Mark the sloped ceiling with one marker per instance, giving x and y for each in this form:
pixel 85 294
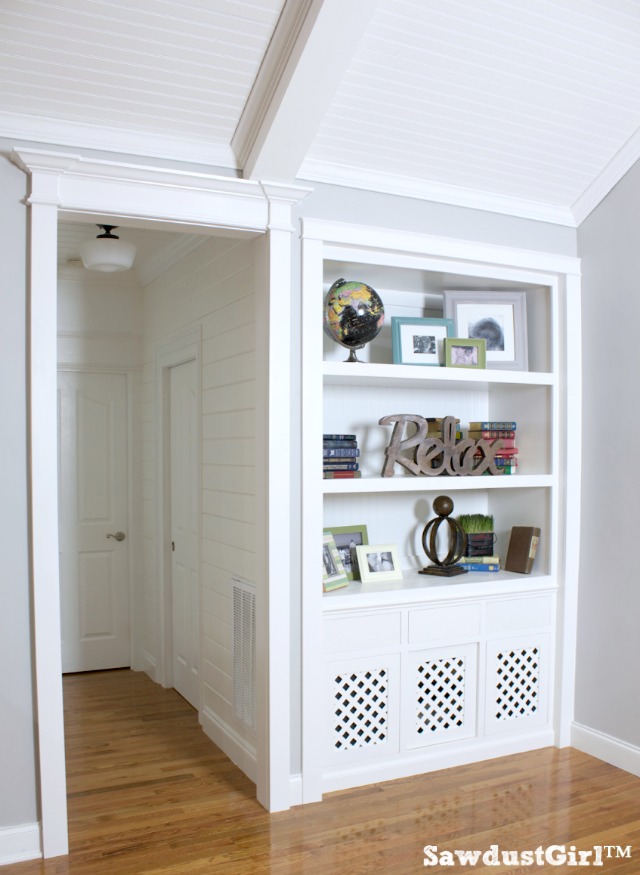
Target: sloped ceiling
pixel 525 108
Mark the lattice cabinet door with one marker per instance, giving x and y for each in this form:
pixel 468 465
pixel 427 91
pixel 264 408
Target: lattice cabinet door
pixel 517 690
pixel 363 705
pixel 439 701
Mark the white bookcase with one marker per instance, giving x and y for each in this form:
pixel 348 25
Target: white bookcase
pixel 424 673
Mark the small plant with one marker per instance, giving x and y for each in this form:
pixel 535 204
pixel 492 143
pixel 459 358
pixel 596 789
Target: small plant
pixel 474 523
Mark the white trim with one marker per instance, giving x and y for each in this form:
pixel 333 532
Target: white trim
pixel 43 461
pixel 439 757
pixel 82 135
pixel 421 189
pixel 295 790
pixel 230 743
pixel 19 843
pixel 607 748
pixel 605 181
pixel 183 347
pixel 375 240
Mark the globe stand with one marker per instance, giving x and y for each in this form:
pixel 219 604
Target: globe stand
pixel 352 355
pixel 446 567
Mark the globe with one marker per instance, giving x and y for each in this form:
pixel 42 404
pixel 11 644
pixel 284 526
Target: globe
pixel 353 314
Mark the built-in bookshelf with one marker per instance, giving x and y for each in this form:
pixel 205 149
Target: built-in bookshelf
pixel 410 273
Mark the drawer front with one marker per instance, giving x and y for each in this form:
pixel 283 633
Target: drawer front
pixel 361 632
pixel 445 623
pixel 533 612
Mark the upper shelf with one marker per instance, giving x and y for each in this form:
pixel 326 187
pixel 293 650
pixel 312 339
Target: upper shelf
pixel 360 485
pixel 404 376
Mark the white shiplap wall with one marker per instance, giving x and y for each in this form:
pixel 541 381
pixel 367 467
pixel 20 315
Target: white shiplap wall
pixel 212 289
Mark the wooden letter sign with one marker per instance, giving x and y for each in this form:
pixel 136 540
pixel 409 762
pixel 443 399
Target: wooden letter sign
pixel 432 455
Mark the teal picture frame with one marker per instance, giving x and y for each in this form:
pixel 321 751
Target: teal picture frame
pixel 420 340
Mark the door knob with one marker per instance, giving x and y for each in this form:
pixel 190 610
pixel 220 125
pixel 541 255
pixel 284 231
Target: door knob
pixel 119 536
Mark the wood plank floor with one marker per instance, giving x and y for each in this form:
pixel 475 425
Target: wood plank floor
pixel 149 793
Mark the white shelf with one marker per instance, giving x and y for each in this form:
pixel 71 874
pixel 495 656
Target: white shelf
pixel 369 485
pixel 415 587
pixel 405 376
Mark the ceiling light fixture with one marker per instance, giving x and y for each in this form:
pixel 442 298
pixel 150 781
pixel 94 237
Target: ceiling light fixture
pixel 107 252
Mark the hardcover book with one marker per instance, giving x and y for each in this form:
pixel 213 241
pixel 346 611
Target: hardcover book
pixel 523 545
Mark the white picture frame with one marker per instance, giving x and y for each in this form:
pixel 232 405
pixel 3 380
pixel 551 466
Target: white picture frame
pixel 378 562
pixel 498 317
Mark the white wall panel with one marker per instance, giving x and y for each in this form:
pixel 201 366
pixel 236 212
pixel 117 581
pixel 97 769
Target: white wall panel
pixel 212 289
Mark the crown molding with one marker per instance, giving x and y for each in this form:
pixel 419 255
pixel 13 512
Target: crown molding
pixel 81 135
pixel 596 192
pixel 404 186
pixel 79 185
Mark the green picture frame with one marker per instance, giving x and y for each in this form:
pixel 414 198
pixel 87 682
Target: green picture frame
pixel 333 573
pixel 343 537
pixel 465 352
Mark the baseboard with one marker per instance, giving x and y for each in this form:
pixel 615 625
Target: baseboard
pixel 434 759
pixel 607 748
pixel 20 843
pixel 295 794
pixel 233 745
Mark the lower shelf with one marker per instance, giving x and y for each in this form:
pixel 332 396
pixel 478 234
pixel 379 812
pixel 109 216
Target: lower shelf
pixel 415 587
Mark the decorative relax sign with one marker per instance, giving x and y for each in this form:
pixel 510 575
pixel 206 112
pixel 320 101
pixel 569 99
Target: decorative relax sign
pixel 433 455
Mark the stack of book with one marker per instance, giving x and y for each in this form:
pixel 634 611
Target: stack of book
pixel 340 456
pixel 479 563
pixel 506 458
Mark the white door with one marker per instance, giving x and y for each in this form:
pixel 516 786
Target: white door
pixel 185 613
pixel 94 554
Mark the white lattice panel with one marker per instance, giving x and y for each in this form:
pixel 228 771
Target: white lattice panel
pixel 442 695
pixel 361 708
pixel 363 698
pixel 516 683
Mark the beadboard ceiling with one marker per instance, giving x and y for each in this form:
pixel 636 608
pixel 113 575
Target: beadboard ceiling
pixel 526 108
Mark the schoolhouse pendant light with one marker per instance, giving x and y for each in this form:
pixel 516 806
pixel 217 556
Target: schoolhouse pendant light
pixel 107 252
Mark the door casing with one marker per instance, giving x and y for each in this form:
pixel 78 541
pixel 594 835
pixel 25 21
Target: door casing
pixel 71 186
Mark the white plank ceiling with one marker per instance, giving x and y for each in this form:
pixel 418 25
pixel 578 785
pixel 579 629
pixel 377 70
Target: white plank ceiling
pixel 528 108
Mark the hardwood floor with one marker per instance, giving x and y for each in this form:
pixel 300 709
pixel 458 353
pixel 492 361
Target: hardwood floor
pixel 149 793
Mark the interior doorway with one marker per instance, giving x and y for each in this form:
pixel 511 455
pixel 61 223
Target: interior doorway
pixel 81 188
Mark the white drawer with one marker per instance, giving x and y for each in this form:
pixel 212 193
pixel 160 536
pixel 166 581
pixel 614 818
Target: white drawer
pixel 531 612
pixel 361 632
pixel 444 623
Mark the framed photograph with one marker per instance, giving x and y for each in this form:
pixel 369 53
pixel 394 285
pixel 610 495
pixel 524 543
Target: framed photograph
pixel 333 573
pixel 465 352
pixel 498 317
pixel 419 341
pixel 379 562
pixel 347 538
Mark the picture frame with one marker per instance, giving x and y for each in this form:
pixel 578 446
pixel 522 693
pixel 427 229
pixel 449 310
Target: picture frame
pixel 419 341
pixel 347 538
pixel 465 352
pixel 499 317
pixel 378 562
pixel 333 573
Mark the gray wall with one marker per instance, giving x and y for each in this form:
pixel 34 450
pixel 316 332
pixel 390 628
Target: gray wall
pixel 17 756
pixel 608 661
